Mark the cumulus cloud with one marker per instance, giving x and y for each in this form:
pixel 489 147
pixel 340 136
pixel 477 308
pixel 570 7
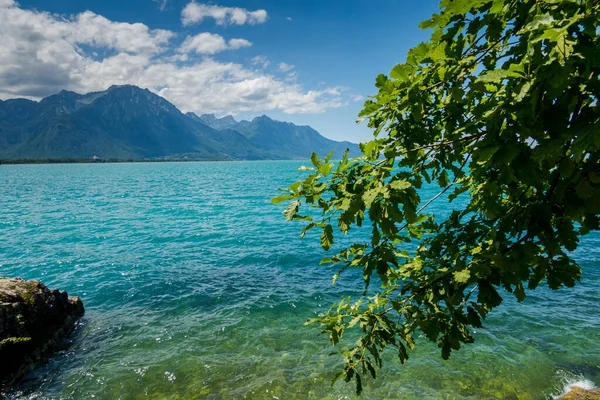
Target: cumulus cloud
pixel 210 43
pixel 93 29
pixel 230 88
pixel 195 13
pixel 43 53
pixel 283 67
pixel 235 44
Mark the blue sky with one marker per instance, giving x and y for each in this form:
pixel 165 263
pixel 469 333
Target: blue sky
pixel 308 62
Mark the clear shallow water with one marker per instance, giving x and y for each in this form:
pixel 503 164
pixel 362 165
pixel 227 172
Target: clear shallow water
pixel 195 287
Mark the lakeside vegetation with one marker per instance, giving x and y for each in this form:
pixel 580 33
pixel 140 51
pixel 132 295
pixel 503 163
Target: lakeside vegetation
pixel 501 105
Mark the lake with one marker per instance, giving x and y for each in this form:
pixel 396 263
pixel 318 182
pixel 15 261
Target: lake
pixel 196 287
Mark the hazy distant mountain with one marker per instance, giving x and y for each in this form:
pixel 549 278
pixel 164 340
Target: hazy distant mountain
pixel 226 122
pixel 126 122
pixel 282 139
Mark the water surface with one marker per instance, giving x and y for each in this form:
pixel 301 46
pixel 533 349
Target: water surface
pixel 195 287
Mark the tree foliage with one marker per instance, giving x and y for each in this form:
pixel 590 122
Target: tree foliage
pixel 500 104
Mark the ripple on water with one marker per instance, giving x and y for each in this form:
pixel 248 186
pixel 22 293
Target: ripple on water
pixel 195 286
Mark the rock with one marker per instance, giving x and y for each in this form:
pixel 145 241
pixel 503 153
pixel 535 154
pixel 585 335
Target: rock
pixel 34 321
pixel 578 393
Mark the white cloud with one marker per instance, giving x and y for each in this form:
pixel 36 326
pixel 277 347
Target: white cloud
pixel 357 97
pixel 93 29
pixel 195 13
pixel 210 43
pixel 283 67
pixel 292 76
pixel 235 44
pixel 162 4
pixel 289 18
pixel 260 60
pixel 43 53
pixel 230 88
pixel 203 43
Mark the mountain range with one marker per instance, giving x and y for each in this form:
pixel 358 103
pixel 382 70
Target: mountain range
pixel 127 122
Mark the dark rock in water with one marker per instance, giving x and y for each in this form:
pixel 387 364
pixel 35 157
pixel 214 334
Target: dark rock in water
pixel 578 393
pixel 34 321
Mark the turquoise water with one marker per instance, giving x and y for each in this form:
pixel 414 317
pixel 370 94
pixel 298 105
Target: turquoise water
pixel 195 287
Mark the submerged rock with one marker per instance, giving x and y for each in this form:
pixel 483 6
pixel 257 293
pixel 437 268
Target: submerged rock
pixel 34 321
pixel 578 393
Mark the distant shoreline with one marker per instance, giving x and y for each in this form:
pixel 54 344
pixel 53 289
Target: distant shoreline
pixel 115 160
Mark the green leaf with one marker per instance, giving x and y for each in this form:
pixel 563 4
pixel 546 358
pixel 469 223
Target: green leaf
pixel 326 169
pixel 584 190
pixel 369 196
pixel 462 276
pixel 410 212
pixel 400 185
pixel 473 318
pixel 539 21
pixel 314 158
pixel 354 321
pixel 519 292
pixel 484 154
pixel 280 199
pixel 375 236
pixel 443 179
pixel 343 225
pixel 497 6
pixel 401 72
pixel 369 108
pixel 498 75
pixel 381 80
pixel 371 369
pixel 307 228
pixel 430 23
pixel 478 85
pixel 295 186
pixel 327 237
pixel 358 384
pixel 328 156
pixel 552 34
pixel 524 90
pixel 370 149
pixel 291 210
